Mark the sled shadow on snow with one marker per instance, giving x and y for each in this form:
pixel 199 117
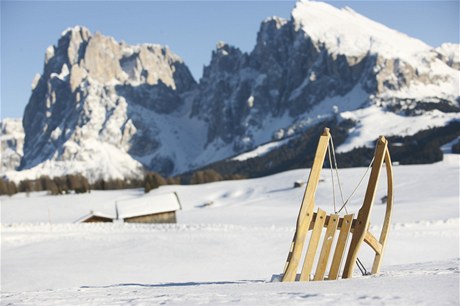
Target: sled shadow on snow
pixel 184 284
pixel 280 190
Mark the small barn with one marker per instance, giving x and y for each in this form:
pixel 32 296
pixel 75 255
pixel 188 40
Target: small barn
pixel 150 208
pixel 94 217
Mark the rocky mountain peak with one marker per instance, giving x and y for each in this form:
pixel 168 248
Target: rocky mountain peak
pixel 343 31
pixel 269 28
pixel 94 88
pixel 225 59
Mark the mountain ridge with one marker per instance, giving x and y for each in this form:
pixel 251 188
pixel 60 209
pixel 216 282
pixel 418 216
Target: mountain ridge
pixel 99 99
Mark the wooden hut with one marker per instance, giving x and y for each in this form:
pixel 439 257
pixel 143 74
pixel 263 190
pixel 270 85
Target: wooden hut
pixel 150 208
pixel 94 217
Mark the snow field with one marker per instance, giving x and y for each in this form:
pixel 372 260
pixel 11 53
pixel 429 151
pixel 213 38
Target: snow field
pixel 436 283
pixel 231 238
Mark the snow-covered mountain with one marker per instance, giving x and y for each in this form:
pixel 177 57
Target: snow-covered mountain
pixel 12 142
pixel 103 108
pixel 108 109
pixel 321 62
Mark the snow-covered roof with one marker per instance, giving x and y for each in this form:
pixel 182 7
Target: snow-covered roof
pixel 147 205
pixel 94 214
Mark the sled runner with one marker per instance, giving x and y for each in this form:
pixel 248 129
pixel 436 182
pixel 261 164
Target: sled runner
pixel 341 227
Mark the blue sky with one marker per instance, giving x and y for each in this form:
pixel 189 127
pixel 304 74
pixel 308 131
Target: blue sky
pixel 190 28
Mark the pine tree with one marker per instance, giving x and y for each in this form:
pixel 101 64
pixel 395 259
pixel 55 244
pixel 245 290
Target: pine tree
pixel 3 187
pixel 51 186
pixel 456 148
pixel 206 176
pixel 153 180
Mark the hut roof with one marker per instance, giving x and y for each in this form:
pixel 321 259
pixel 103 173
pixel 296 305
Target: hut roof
pixel 148 204
pixel 94 214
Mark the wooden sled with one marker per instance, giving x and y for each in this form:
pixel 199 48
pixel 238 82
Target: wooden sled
pixel 358 227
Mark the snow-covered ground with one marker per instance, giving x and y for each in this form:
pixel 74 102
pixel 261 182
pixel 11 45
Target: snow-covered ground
pixel 230 239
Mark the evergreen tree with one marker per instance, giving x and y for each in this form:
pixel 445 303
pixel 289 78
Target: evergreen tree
pixel 153 180
pixel 11 188
pixel 456 147
pixel 173 180
pixel 205 176
pixel 51 186
pixel 3 187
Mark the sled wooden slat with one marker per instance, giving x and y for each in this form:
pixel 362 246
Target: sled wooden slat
pixel 340 247
pixel 313 245
pixel 326 223
pixel 326 248
pixel 306 208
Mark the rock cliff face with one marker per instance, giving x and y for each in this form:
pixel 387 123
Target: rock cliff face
pixel 12 142
pixel 320 63
pixel 107 109
pixel 92 101
pixel 285 76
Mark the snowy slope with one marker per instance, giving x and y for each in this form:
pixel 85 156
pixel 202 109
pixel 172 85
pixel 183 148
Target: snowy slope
pixel 228 250
pixel 346 32
pixel 389 124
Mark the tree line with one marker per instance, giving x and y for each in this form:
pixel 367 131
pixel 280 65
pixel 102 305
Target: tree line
pixel 79 184
pixel 421 148
pixel 54 186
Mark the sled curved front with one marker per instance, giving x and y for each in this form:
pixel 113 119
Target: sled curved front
pixel 361 231
pixel 338 229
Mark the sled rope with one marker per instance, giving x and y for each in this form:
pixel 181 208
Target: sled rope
pixel 336 171
pixel 357 186
pixel 330 148
pixel 344 202
pixel 332 174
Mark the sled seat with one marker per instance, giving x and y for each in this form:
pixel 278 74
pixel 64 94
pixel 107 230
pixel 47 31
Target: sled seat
pixel 332 231
pixel 333 224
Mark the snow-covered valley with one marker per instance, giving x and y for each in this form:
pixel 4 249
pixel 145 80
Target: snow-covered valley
pixel 230 239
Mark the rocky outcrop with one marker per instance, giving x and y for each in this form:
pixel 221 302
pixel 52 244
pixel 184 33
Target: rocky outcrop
pixel 450 54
